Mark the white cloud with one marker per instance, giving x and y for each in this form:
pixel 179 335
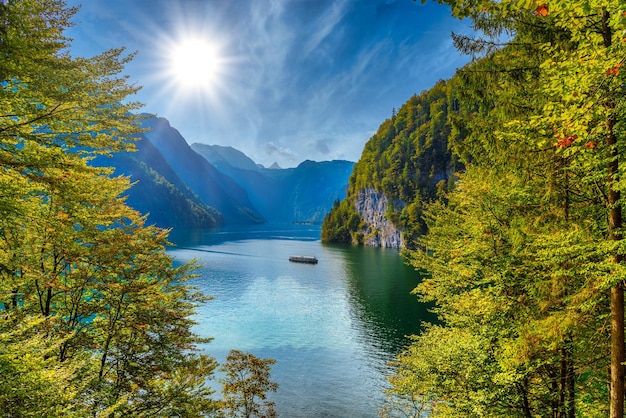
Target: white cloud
pixel 326 24
pixel 304 78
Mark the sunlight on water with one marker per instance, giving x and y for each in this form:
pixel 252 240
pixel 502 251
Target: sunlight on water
pixel 277 312
pixel 332 327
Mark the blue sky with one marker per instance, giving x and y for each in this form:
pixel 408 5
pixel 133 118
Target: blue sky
pixel 294 79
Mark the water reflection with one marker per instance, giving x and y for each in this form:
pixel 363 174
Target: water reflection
pixel 332 327
pixel 380 286
pixel 215 236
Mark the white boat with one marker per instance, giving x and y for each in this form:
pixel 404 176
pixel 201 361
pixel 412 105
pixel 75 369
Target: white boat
pixel 303 259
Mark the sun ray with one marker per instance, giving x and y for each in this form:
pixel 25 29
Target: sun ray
pixel 194 69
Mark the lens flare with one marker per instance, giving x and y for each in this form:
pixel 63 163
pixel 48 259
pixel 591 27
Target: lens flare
pixel 195 63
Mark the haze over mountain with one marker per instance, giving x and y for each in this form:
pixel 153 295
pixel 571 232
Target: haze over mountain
pixel 213 187
pixel 158 191
pixel 225 158
pixel 301 194
pixel 206 186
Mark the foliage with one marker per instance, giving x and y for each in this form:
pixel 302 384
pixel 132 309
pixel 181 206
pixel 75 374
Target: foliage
pixel 246 383
pixel 34 383
pixel 510 299
pixel 341 223
pixel 95 319
pixel 408 160
pixel 528 248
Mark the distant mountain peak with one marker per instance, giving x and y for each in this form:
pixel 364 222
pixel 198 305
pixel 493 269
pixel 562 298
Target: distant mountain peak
pixel 213 187
pixel 206 186
pixel 219 156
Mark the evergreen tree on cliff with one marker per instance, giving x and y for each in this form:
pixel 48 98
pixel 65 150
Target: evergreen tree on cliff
pixel 408 162
pixel 526 259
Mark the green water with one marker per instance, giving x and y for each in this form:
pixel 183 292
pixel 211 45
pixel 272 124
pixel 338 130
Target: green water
pixel 332 327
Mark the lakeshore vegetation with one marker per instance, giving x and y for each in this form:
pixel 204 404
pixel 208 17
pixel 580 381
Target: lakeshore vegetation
pixel 522 250
pixel 524 254
pixel 95 319
pixel 408 160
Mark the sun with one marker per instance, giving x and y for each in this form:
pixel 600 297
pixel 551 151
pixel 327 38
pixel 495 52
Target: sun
pixel 195 62
pixel 192 68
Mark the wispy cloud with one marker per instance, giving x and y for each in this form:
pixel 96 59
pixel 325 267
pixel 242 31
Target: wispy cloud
pixel 326 24
pixel 273 150
pixel 303 79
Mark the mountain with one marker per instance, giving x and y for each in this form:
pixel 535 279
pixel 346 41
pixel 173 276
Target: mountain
pixel 205 186
pixel 302 194
pixel 213 187
pixel 309 190
pixel 225 158
pixel 404 165
pixel 158 191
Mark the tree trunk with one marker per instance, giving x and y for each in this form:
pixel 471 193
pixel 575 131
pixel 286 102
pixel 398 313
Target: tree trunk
pixel 617 351
pixel 563 401
pixel 615 224
pixel 525 401
pixel 617 291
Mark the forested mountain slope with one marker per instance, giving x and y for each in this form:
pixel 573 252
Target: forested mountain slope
pixel 525 258
pixel 204 186
pixel 213 187
pixel 158 191
pixel 406 164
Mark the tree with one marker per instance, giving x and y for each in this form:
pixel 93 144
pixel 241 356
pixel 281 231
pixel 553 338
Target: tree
pixel 96 319
pixel 246 383
pixel 514 338
pixel 583 93
pixel 584 98
pixel 523 256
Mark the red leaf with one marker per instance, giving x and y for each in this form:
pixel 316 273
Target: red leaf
pixel 565 141
pixel 614 70
pixel 541 10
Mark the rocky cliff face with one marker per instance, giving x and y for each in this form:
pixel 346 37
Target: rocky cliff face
pixel 380 232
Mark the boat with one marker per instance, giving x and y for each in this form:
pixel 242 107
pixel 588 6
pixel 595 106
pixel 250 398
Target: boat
pixel 310 259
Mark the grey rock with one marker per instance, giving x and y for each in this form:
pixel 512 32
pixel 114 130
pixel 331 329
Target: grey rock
pixel 380 231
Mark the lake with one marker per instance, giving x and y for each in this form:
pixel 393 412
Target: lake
pixel 331 327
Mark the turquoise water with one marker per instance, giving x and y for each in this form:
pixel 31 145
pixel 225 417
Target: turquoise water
pixel 331 327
